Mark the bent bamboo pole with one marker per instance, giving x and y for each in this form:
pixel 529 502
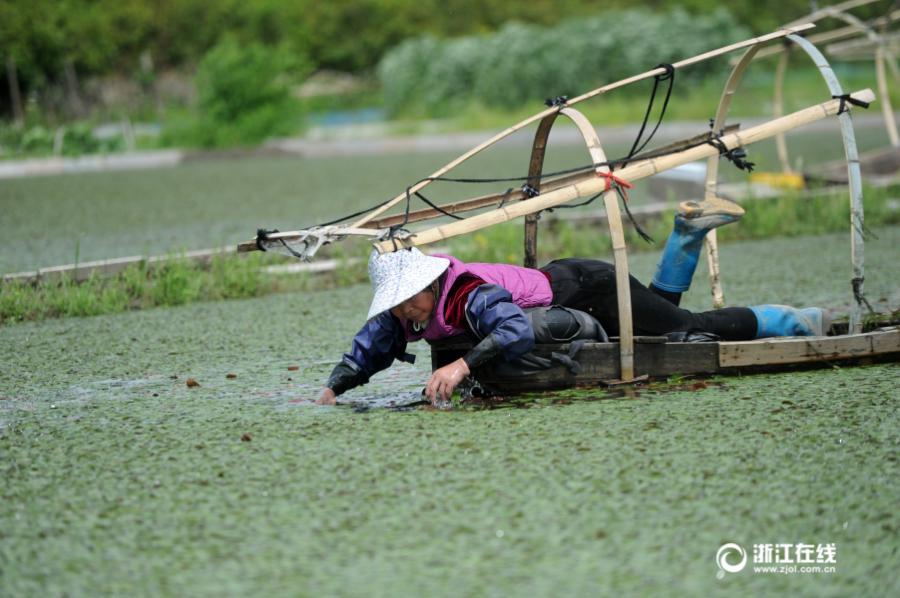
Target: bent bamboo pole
pixel 712 172
pixel 884 94
pixel 828 11
pixel 856 25
pixel 854 180
pixel 834 35
pixel 586 96
pixel 634 171
pixel 535 168
pixel 620 255
pixel 778 110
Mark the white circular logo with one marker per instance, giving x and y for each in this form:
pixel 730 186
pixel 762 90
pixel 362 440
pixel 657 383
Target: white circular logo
pixel 722 555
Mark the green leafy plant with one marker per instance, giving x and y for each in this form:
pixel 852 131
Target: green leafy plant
pixel 243 95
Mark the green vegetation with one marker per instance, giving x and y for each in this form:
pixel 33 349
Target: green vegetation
pixel 119 479
pixel 469 60
pixel 522 63
pixel 244 97
pixel 74 139
pixel 174 282
pixel 102 36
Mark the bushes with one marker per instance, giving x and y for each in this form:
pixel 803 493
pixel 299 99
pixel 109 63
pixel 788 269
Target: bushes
pixel 527 63
pixel 75 139
pixel 243 96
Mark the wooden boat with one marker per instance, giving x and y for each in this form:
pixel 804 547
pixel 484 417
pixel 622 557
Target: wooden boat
pixel 655 357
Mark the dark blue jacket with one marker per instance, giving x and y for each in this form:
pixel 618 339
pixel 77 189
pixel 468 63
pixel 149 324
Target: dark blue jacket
pixel 492 317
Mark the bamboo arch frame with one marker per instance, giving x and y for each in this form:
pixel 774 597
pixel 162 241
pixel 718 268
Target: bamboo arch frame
pixel 566 189
pixel 613 217
pixel 854 26
pixel 712 172
pixel 373 224
pixel 563 189
pixel 571 102
pixel 591 184
pixel 851 153
pixel 854 180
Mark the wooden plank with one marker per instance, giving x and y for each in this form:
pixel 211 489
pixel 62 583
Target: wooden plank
pixel 773 351
pixel 599 362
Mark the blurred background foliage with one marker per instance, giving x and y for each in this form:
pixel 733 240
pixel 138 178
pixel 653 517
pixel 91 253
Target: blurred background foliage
pixel 520 62
pixel 224 72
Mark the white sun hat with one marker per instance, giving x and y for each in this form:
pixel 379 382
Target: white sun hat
pixel 398 275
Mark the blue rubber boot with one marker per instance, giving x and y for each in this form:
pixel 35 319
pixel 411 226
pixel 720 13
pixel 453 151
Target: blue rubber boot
pixel 783 320
pixel 676 267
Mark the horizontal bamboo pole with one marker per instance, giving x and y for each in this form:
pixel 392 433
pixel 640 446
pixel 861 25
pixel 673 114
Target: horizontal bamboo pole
pixel 634 171
pixel 586 96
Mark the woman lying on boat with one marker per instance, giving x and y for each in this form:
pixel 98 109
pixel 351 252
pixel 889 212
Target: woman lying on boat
pixel 435 297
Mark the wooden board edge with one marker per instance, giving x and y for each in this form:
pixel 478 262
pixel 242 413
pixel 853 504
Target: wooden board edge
pixel 792 350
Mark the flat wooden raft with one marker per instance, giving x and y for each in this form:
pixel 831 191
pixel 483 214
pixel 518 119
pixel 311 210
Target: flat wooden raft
pixel 655 357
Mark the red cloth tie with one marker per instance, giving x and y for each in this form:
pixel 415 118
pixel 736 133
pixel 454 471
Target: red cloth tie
pixel 612 179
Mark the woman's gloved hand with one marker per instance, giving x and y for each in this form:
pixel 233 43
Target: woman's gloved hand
pixel 442 382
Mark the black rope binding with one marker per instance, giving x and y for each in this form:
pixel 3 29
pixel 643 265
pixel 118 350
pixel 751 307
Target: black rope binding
pixel 558 101
pixel 530 191
pixel 531 181
pixel 857 283
pixel 262 235
pixel 669 76
pixel 737 155
pixel 848 99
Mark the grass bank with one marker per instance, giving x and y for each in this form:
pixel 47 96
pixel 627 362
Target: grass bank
pixel 174 282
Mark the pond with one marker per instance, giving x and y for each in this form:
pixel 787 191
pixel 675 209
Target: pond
pixel 49 221
pixel 118 475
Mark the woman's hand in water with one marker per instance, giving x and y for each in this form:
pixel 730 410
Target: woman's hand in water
pixel 444 380
pixel 327 397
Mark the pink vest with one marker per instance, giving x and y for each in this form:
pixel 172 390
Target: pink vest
pixel 528 287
